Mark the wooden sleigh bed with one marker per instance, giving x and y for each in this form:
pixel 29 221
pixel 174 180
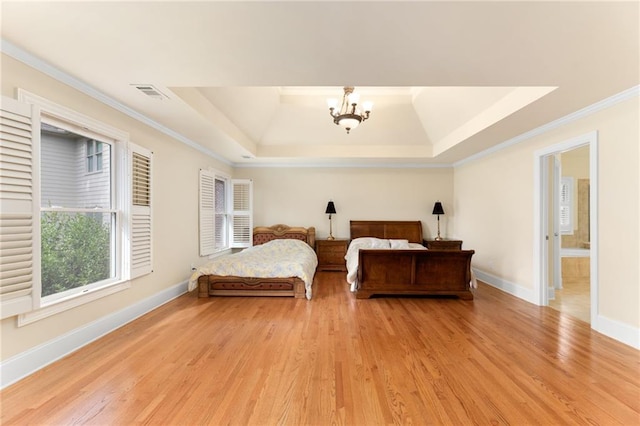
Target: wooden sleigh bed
pixel 409 272
pixel 223 285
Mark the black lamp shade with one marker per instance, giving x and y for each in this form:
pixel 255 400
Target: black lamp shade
pixel 437 208
pixel 331 208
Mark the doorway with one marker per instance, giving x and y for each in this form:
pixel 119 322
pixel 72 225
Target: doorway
pixel 565 252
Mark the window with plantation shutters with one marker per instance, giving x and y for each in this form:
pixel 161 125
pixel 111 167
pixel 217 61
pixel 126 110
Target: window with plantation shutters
pixel 242 217
pixel 565 204
pixel 225 219
pixel 141 231
pixel 19 130
pixel 75 218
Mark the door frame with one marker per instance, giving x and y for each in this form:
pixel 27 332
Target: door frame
pixel 540 217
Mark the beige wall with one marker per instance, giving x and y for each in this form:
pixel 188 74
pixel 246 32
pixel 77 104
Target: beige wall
pixel 175 213
pixel 299 196
pixel 494 204
pixel 491 210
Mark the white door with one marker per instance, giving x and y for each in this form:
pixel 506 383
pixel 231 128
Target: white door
pixel 556 239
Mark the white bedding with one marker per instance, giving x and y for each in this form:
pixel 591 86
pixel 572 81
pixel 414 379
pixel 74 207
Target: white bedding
pixel 372 243
pixel 276 259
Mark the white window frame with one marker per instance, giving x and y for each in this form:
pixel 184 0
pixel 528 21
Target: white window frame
pixel 207 230
pixel 60 116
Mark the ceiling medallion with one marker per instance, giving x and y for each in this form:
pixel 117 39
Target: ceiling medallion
pixel 349 116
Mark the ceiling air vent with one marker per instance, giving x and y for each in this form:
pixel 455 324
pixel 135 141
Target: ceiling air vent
pixel 151 91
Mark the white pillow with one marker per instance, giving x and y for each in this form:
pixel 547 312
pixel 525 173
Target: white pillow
pixel 399 244
pixel 417 246
pixel 365 243
pixel 370 243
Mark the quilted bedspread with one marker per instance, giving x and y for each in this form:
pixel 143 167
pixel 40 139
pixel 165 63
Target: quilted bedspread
pixel 276 259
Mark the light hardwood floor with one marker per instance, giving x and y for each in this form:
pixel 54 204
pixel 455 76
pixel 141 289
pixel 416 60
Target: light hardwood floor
pixel 575 296
pixel 338 360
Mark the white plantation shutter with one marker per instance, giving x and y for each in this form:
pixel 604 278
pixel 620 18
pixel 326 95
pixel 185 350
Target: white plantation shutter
pixel 222 216
pixel 141 232
pixel 566 200
pixel 242 215
pixel 19 208
pixel 207 212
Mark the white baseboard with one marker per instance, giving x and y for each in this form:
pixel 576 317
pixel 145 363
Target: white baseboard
pixel 506 286
pixel 621 332
pixel 34 359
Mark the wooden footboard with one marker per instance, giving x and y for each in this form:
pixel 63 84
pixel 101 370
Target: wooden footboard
pixel 415 272
pixel 216 285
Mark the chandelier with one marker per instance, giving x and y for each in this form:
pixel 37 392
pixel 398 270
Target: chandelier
pixel 349 115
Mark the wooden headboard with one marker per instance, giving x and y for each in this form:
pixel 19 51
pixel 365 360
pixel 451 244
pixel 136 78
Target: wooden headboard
pixel 263 234
pixel 389 229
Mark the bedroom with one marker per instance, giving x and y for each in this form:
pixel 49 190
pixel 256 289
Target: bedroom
pixel 490 200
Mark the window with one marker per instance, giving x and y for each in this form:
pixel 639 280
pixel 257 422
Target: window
pixel 78 214
pixel 225 213
pixel 86 233
pixel 566 205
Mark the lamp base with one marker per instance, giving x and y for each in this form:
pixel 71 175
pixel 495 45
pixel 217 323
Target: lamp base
pixel 330 237
pixel 438 238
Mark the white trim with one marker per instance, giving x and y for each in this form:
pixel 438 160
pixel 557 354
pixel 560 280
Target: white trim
pixel 329 165
pixel 87 126
pixel 15 52
pixel 506 286
pixel 562 121
pixel 539 189
pixel 594 236
pixel 617 330
pixel 34 359
pixel 78 299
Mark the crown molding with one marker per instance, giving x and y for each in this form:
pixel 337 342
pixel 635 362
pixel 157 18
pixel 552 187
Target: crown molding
pixel 581 113
pixel 344 165
pixel 17 53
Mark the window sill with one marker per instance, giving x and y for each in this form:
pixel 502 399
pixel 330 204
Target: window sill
pixel 65 304
pixel 222 252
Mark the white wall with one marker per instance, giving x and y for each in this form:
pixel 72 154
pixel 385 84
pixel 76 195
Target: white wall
pixel 299 196
pixel 175 211
pixel 494 204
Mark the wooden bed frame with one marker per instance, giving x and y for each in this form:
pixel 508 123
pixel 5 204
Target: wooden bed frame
pixel 409 272
pixel 218 285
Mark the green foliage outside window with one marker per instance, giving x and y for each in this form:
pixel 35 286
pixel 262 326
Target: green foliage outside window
pixel 75 250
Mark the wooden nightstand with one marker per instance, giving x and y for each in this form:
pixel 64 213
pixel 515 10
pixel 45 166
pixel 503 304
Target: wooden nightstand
pixel 444 244
pixel 331 254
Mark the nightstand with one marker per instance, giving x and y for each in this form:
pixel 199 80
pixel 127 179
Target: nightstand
pixel 443 244
pixel 331 254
